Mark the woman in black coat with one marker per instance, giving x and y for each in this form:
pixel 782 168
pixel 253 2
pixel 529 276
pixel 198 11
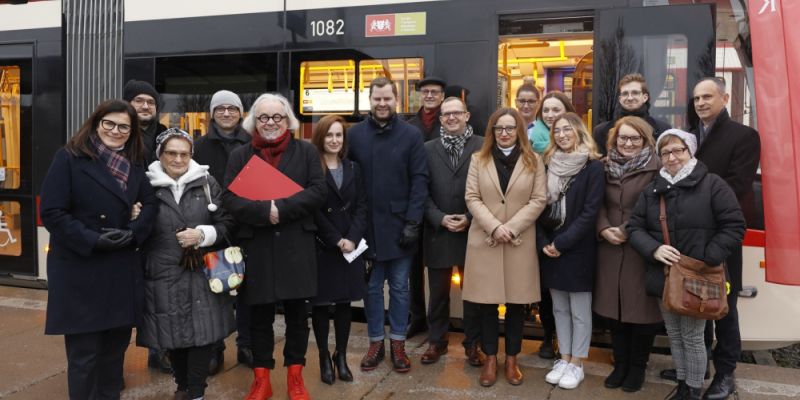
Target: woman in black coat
pixel 705 222
pixel 278 237
pixel 576 186
pixel 182 314
pixel 341 222
pixel 99 208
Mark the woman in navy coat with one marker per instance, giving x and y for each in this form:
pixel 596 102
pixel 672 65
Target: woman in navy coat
pixel 99 207
pixel 340 227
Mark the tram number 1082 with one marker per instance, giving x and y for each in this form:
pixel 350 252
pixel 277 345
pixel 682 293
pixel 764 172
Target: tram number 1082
pixel 328 27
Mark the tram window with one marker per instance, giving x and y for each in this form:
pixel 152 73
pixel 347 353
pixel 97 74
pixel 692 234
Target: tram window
pixel 328 87
pixel 664 63
pixel 187 83
pixel 405 72
pixel 10 119
pixel 10 228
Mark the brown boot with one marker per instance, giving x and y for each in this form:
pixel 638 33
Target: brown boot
pixel 489 371
pixel 374 356
pixel 513 374
pixel 475 356
pixel 294 383
pixel 433 353
pixel 400 360
pixel 261 389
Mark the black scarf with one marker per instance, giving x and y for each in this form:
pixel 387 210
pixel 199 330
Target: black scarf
pixel 505 165
pixel 454 144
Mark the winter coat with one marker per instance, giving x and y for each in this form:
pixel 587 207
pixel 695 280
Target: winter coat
pixel 600 132
pixel 180 309
pixel 574 270
pixel 281 259
pixel 442 248
pixel 619 284
pixel 91 290
pixel 503 273
pixel 342 216
pixel 395 167
pixel 427 134
pixel 213 150
pixel 149 136
pixel 703 218
pixel 732 151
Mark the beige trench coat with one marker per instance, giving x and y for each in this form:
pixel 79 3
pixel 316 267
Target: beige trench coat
pixel 504 273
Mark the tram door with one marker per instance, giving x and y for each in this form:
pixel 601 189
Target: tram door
pixel 17 202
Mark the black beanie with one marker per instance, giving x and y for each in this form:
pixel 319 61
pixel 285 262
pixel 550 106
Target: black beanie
pixel 134 88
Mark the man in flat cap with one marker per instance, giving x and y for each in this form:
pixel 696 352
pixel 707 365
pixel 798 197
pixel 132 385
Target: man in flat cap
pixel 431 92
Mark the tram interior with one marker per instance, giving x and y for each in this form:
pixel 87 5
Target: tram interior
pixel 10 158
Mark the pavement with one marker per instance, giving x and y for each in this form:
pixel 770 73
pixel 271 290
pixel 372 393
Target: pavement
pixel 33 367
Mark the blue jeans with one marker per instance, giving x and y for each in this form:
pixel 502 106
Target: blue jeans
pixel 396 272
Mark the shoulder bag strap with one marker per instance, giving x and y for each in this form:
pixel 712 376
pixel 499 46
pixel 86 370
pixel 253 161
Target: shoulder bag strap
pixel 662 218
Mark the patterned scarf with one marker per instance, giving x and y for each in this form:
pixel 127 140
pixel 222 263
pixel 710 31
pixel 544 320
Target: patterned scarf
pixel 118 165
pixel 618 165
pixel 561 168
pixel 454 144
pixel 682 173
pixel 271 150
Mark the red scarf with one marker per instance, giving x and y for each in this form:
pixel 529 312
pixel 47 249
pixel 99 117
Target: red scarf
pixel 429 117
pixel 271 150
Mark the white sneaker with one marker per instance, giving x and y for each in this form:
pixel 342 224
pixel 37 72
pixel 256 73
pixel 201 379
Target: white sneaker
pixel 572 377
pixel 554 376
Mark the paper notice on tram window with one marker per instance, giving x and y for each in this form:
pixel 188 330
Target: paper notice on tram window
pixel 362 246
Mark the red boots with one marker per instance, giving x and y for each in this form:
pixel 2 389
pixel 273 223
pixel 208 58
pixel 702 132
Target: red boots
pixel 294 383
pixel 261 389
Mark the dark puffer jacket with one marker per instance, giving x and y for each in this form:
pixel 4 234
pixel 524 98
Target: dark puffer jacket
pixel 703 217
pixel 180 309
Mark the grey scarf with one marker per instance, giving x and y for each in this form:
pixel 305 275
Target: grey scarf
pixel 561 167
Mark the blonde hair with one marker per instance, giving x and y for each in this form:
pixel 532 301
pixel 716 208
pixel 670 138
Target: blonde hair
pixel 582 137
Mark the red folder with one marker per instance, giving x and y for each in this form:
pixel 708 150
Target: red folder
pixel 260 181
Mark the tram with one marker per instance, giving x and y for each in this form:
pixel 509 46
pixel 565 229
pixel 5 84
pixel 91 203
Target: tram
pixel 322 54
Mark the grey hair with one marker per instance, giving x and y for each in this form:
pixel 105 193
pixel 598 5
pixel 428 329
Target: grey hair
pixel 249 123
pixel 717 80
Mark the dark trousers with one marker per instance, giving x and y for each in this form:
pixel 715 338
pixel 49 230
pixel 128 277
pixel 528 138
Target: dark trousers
pixel 320 321
pixel 262 335
pixel 242 323
pixel 729 341
pixel 490 321
pixel 631 343
pixel 416 288
pixel 546 313
pixel 439 309
pixel 190 368
pixel 94 363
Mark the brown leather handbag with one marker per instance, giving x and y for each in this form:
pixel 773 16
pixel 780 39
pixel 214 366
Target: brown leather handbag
pixel 692 287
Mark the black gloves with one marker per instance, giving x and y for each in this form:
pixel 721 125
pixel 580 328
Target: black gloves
pixel 410 235
pixel 112 239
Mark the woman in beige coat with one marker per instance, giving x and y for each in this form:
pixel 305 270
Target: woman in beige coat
pixel 505 193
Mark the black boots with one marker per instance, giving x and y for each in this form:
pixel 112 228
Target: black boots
pixel 639 356
pixel 621 347
pixel 721 387
pixel 547 350
pixel 340 361
pixel 326 368
pixel 631 354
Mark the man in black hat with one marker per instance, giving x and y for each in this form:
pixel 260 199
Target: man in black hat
pixel 431 92
pixel 144 99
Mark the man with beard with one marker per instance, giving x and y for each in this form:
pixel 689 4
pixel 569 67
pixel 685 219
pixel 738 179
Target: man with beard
pixel 145 100
pixel 225 134
pixel 431 92
pixel 635 100
pixel 392 157
pixel 447 220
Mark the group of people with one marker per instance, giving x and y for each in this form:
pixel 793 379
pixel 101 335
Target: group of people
pixel 538 210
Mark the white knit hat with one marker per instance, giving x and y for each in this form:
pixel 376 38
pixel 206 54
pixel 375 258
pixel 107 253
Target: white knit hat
pixel 688 138
pixel 226 97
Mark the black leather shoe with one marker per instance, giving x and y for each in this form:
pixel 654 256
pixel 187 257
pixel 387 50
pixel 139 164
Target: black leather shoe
pixel 340 361
pixel 693 393
pixel 244 355
pixel 415 328
pixel 546 350
pixel 721 387
pixel 617 376
pixel 326 374
pixel 216 362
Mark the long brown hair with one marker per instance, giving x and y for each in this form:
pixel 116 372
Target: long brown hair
pixel 529 158
pixel 560 96
pixel 318 137
pixel 80 143
pixel 582 137
pixel 639 125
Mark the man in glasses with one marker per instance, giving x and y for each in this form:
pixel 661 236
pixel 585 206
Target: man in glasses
pixel 144 99
pixel 225 134
pixel 732 151
pixel 634 99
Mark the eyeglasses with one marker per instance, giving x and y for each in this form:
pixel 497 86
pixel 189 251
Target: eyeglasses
pixel 676 152
pixel 499 129
pixel 563 131
pixel 527 102
pixel 176 154
pixel 454 114
pixel 138 102
pixel 633 139
pixel 428 92
pixel 230 109
pixel 264 118
pixel 110 125
pixel 632 93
